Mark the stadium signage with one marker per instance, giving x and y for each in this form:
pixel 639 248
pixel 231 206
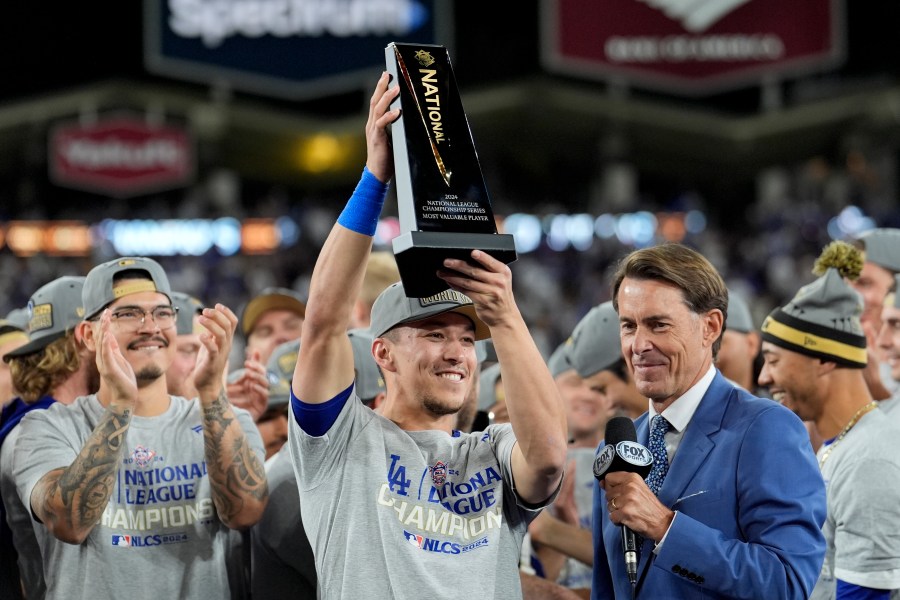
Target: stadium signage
pixel 691 47
pixel 120 156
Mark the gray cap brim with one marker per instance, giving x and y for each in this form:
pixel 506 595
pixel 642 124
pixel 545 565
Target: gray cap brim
pixel 596 345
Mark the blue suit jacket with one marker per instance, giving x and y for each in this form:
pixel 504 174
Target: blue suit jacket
pixel 750 504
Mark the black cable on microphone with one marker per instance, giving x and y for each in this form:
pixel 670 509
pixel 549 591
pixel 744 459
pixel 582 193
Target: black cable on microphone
pixel 622 453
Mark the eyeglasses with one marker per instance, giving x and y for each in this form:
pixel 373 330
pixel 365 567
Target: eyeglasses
pixel 133 317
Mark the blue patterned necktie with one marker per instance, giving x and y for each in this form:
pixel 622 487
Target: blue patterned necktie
pixel 660 458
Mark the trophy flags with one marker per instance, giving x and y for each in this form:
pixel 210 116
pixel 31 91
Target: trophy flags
pixel 443 204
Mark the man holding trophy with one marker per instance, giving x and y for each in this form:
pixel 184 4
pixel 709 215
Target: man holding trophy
pixel 399 504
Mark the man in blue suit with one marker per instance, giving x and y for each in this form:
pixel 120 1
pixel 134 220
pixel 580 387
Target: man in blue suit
pixel 734 505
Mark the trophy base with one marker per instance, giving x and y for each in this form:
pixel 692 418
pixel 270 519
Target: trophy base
pixel 420 254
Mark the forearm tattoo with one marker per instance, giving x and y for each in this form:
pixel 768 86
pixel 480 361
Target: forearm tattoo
pixel 235 472
pixel 77 495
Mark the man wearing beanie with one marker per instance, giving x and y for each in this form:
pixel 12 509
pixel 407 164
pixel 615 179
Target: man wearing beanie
pixel 140 489
pixel 815 352
pixel 396 502
pixel 55 366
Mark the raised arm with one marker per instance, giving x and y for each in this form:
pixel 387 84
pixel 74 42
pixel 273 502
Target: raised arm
pixel 532 398
pixel 325 361
pixel 236 474
pixel 70 501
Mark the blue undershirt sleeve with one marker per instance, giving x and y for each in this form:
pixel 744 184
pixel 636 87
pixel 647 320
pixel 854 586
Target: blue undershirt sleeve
pixel 849 591
pixel 317 419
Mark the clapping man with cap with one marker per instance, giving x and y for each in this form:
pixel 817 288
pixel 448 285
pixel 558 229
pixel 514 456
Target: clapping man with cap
pixel 271 318
pixel 815 352
pixel 55 366
pixel 140 488
pixel 420 499
pixel 734 503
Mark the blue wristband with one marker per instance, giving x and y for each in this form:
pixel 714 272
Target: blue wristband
pixel 364 207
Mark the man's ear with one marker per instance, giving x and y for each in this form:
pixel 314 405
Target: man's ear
pixel 826 366
pixel 713 322
pixel 382 351
pixel 84 333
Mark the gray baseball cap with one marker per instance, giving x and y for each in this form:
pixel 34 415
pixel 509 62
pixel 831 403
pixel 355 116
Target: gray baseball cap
pixel 487 389
pixel 280 371
pixel 188 307
pixel 55 309
pixel 98 290
pixel 8 327
pixel 883 247
pixel 18 317
pixel 596 345
pixel 739 318
pixel 369 382
pixel 393 308
pixel 481 350
pixel 561 359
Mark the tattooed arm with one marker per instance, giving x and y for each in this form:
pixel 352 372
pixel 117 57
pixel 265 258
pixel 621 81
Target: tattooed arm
pixel 237 476
pixel 70 501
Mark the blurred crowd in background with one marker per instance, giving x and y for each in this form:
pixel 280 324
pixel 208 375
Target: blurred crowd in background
pixel 764 250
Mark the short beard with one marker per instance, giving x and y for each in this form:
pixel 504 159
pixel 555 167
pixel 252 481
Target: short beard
pixel 438 408
pixel 148 375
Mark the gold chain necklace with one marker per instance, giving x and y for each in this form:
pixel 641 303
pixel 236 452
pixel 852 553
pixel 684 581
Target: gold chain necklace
pixel 846 430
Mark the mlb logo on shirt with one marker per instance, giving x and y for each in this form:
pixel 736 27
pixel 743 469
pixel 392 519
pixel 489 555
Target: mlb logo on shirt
pixel 121 540
pixel 415 540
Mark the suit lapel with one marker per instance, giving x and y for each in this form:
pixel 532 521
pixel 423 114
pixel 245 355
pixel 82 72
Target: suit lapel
pixel 696 444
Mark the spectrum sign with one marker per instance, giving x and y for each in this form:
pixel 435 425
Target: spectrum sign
pixel 293 49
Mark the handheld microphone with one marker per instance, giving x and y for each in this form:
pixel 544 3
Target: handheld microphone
pixel 622 453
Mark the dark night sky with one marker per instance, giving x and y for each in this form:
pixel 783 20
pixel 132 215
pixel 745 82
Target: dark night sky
pixel 54 46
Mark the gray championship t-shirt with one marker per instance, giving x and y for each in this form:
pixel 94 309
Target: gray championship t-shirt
pixel 409 514
pixel 159 536
pixel 862 527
